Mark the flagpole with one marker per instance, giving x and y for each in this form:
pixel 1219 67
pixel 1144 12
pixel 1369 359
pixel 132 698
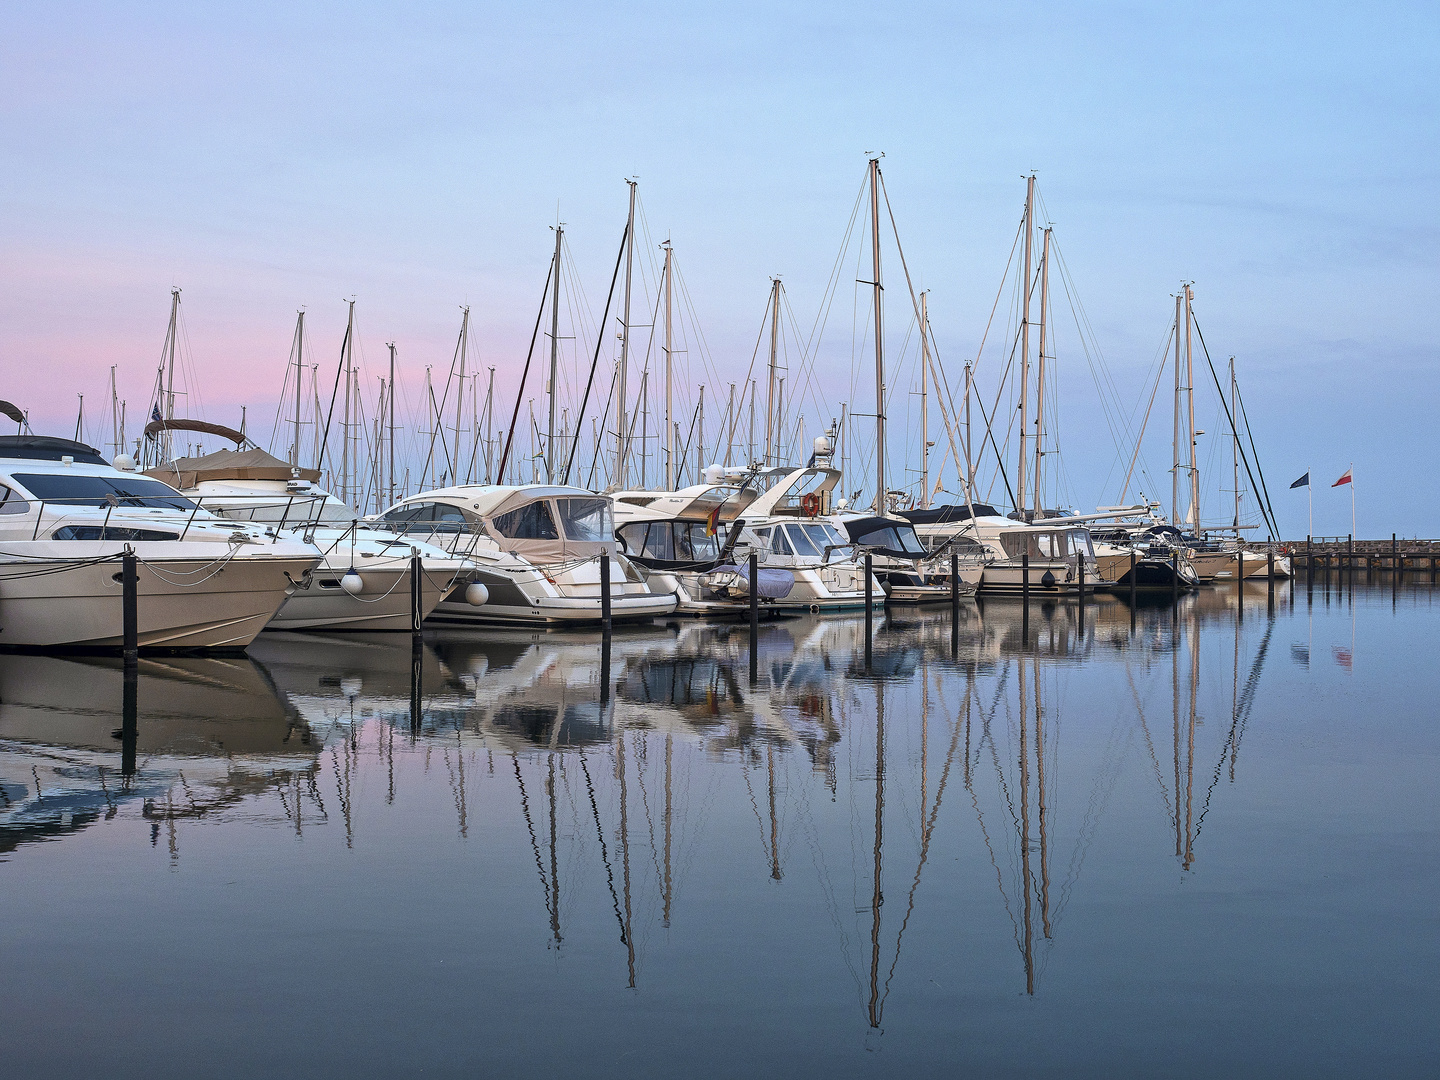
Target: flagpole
pixel 1310 493
pixel 1352 498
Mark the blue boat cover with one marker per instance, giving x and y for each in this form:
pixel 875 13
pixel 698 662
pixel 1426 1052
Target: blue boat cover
pixel 773 584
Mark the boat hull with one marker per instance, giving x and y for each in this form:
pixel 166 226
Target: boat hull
pixel 182 603
pixel 383 605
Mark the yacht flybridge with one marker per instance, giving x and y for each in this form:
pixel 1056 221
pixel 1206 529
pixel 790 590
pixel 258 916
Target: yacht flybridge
pixel 67 518
pixel 535 547
pixel 363 581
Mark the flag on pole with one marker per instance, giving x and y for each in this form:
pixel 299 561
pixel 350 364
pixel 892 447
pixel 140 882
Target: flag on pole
pixel 1304 481
pixel 155 415
pixel 1346 479
pixel 712 522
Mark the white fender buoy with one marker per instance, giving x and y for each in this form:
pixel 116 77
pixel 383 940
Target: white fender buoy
pixel 352 583
pixel 476 594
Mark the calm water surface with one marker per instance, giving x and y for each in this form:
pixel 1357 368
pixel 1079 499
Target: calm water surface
pixel 1193 843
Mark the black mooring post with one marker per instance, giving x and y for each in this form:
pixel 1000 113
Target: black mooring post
pixel 129 719
pixel 604 671
pixel 1134 573
pixel 754 616
pixel 869 614
pixel 605 593
pixel 1270 573
pixel 1175 577
pixel 416 605
pixel 130 608
pixel 1080 575
pixel 955 603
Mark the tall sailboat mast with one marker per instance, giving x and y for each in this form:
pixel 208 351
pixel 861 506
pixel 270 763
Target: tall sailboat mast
pixel 1175 455
pixel 622 424
pixel 299 381
pixel 1025 345
pixel 1190 403
pixel 924 404
pixel 1040 367
pixel 391 403
pixel 550 386
pixel 345 422
pixel 669 376
pixel 1235 446
pixel 770 389
pixel 460 392
pixel 879 338
pixel 170 366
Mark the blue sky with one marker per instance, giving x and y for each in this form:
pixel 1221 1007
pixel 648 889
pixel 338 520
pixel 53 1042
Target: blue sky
pixel 1282 157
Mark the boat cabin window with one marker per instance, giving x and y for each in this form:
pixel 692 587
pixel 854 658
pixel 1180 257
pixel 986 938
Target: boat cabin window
pixel 78 489
pixel 692 544
pixel 531 522
pixel 585 519
pixel 11 502
pixel 780 544
pixel 1046 545
pixel 100 532
pixel 425 517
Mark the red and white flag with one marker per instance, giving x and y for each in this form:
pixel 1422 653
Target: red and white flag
pixel 1347 478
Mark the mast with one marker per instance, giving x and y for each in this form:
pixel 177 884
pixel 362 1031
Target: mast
pixel 391 501
pixel 669 375
pixel 345 422
pixel 1190 402
pixel 770 400
pixel 924 405
pixel 115 437
pixel 1234 448
pixel 299 379
pixel 554 358
pixel 460 392
pixel 879 338
pixel 969 468
pixel 170 365
pixel 621 440
pixel 490 429
pixel 1040 370
pixel 700 437
pixel 1175 454
pixel 1025 345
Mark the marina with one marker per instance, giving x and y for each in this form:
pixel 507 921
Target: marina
pixel 1021 845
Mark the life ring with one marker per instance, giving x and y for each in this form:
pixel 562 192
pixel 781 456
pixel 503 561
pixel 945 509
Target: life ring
pixel 810 505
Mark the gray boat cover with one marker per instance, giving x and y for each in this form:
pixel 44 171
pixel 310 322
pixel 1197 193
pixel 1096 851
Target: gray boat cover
pixel 773 584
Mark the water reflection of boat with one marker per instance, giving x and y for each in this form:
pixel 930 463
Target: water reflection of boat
pixel 212 727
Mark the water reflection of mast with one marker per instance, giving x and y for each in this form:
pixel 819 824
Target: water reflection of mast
pixel 1027 947
pixel 626 928
pixel 877 898
pixel 669 803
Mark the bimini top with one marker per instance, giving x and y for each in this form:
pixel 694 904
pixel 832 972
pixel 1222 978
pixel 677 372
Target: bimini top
pixel 47 448
pixel 885 536
pixel 939 515
pixel 229 465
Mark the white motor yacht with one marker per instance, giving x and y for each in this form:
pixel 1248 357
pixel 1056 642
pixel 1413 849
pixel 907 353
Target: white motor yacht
pixel 683 540
pixel 363 580
pixel 67 518
pixel 789 527
pixel 536 548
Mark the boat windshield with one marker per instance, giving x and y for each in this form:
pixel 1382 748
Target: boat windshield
pixel 801 542
pixel 585 519
pixel 78 489
pixel 823 536
pixel 895 538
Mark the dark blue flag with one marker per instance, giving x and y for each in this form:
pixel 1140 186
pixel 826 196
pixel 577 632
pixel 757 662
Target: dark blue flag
pixel 1304 481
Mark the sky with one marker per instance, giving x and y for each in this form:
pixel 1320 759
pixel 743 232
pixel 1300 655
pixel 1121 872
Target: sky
pixel 266 157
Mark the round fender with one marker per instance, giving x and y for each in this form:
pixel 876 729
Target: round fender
pixel 352 582
pixel 476 594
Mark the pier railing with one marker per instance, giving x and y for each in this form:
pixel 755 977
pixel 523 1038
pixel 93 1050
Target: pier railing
pixel 1349 553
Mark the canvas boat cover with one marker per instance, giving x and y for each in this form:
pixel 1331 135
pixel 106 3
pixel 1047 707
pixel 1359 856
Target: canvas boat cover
pixel 772 584
pixel 229 465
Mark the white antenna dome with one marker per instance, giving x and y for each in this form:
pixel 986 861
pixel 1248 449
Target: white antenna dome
pixel 124 462
pixel 823 446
